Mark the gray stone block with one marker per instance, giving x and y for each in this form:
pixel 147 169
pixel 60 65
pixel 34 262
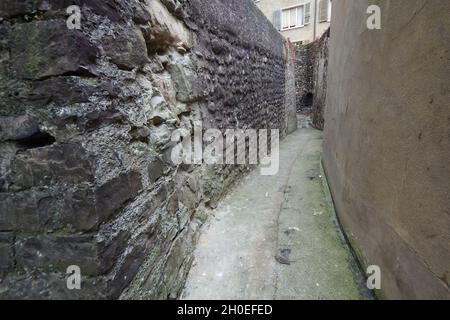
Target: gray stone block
pixel 6 251
pixel 57 253
pixel 68 163
pixel 43 49
pixel 128 49
pixel 156 169
pixel 16 128
pixel 112 195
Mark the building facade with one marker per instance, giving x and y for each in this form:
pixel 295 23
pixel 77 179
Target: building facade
pixel 300 21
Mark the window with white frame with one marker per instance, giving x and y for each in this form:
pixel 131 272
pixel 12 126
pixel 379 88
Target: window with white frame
pixel 324 11
pixel 293 17
pixel 329 11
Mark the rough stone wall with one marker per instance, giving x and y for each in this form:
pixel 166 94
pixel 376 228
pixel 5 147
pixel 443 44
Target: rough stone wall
pixel 291 89
pixel 311 79
pixel 304 74
pixel 387 141
pixel 320 79
pixel 86 118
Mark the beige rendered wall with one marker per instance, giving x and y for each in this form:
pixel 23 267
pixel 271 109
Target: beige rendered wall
pixel 306 33
pixel 387 140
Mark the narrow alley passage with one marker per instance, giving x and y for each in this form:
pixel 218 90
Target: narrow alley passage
pixel 129 128
pixel 276 237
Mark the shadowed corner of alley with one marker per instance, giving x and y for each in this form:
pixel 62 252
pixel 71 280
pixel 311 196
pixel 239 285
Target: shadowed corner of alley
pixel 277 237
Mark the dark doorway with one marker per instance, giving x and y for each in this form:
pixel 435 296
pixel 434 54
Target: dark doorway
pixel 306 102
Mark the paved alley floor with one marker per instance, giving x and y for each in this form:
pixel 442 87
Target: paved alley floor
pixel 276 237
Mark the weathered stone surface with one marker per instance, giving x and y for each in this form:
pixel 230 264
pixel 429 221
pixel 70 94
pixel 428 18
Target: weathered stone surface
pixel 140 134
pixel 40 210
pixel 161 112
pixel 85 170
pixel 290 102
pixel 6 251
pixel 140 13
pixel 7 153
pixel 311 79
pixel 124 275
pixel 30 9
pixel 115 193
pixel 179 261
pixel 13 95
pixel 174 7
pixel 11 8
pixel 21 211
pixel 49 285
pixel 16 128
pixel 161 136
pixel 185 79
pixel 59 252
pixel 156 169
pixel 188 198
pixel 97 118
pixel 57 163
pixel 320 81
pixel 61 91
pixel 43 49
pixel 219 47
pixel 304 77
pixel 128 49
pixel 52 252
pixel 165 31
pixel 106 8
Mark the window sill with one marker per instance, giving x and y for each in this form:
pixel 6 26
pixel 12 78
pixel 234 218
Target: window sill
pixel 293 28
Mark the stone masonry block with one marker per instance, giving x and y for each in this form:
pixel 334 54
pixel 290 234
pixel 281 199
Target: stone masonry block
pixel 6 251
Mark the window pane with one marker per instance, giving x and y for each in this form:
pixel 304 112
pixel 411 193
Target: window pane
pixel 293 17
pixel 285 19
pixel 323 10
pixel 300 16
pixel 307 13
pixel 329 11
